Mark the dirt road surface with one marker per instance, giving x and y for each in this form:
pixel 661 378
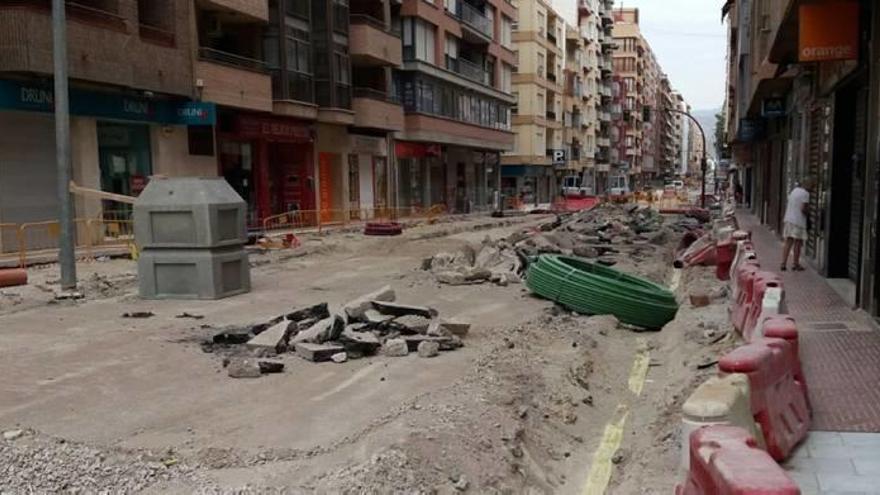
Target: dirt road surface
pixel 105 402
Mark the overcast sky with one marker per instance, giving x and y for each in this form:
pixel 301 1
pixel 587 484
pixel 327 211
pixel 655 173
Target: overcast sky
pixel 689 40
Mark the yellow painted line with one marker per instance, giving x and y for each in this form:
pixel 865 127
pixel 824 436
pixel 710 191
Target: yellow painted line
pixel 676 280
pixel 600 471
pixel 639 371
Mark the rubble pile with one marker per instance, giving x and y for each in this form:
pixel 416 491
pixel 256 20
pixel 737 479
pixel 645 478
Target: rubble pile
pixel 372 324
pixel 603 234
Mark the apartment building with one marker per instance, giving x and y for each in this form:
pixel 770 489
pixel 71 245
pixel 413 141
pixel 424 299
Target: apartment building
pixel 646 142
pixel 529 171
pixel 131 101
pixel 455 85
pixel 578 113
pixel 595 25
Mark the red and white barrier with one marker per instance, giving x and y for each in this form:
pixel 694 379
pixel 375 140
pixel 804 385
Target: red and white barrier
pixel 743 295
pixel 725 460
pixel 763 282
pixel 779 404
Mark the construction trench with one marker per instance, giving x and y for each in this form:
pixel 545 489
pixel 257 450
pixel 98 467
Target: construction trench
pixel 464 381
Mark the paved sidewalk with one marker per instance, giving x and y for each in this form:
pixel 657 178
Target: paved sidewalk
pixel 840 348
pixel 840 352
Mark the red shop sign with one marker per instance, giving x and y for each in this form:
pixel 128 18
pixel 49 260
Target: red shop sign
pixel 252 127
pixel 404 149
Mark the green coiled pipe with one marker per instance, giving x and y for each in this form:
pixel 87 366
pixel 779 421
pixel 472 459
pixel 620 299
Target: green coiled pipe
pixel 593 289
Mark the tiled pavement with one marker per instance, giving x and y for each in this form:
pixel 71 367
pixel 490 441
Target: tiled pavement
pixel 840 348
pixel 840 352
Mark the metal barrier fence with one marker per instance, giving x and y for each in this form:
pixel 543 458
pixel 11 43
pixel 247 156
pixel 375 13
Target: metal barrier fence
pixel 320 219
pixel 32 239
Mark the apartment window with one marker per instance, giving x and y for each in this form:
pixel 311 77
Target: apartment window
pixel 343 68
pixel 490 14
pixel 298 8
pixel 542 104
pixel 157 14
pixel 506 78
pixel 541 66
pixel 506 32
pixel 542 24
pixel 340 16
pixel 451 47
pixel 418 40
pixel 515 108
pixel 451 6
pixel 428 95
pixel 298 52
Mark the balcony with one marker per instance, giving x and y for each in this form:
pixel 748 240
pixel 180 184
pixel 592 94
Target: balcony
pixel 585 8
pixel 478 26
pixel 234 80
pixel 256 9
pixel 373 109
pixel 551 115
pixel 371 44
pixel 468 70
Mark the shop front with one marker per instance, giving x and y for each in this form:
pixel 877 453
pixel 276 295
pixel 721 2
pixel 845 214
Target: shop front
pixel 368 176
pixel 421 176
pixel 527 185
pixel 117 141
pixel 269 162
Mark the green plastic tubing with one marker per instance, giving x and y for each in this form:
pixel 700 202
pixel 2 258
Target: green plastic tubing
pixel 593 289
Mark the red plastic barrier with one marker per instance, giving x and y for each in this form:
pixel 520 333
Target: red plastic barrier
pixel 785 327
pixel 779 404
pixel 726 250
pixel 762 282
pixel 725 460
pixel 742 301
pixel 701 252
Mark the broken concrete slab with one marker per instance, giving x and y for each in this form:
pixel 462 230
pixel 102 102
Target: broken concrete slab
pixel 451 278
pixel 314 312
pixel 270 366
pixel 444 343
pixel 359 342
pixel 456 327
pixel 413 323
pixel 375 317
pixel 232 336
pixel 355 309
pixel 339 357
pixel 317 352
pixel 274 338
pixel 322 331
pixel 396 348
pixel 243 368
pixel 428 349
pixel 395 309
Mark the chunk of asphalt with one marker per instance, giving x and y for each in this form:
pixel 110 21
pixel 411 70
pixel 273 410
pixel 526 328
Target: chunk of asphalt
pixel 270 366
pixel 314 312
pixel 354 310
pixel 395 309
pixel 317 352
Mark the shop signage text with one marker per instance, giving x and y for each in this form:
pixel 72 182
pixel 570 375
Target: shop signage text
pixel 16 95
pixel 828 31
pixel 251 126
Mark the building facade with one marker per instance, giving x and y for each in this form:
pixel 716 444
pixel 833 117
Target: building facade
pixel 529 171
pixel 802 101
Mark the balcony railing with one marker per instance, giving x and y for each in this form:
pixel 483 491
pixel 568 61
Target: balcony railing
pixel 468 69
pixel 374 94
pixel 473 17
pixel 232 59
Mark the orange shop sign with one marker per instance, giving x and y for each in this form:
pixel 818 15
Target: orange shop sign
pixel 829 31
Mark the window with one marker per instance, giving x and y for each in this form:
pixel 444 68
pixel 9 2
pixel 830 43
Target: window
pixel 451 6
pixel 541 66
pixel 506 78
pixel 298 51
pixel 200 139
pixel 506 32
pixel 343 68
pixel 340 16
pixel 515 108
pixel 451 46
pixel 157 14
pixel 542 24
pixel 418 40
pixel 298 8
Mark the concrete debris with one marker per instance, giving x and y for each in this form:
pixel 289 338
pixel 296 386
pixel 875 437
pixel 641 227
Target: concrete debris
pixel 596 234
pixel 323 331
pixel 270 366
pixel 395 348
pixel 428 349
pixel 318 352
pixel 355 310
pixel 139 314
pixel 244 368
pixel 393 309
pixel 274 338
pixel 190 315
pixel 12 434
pixel 700 300
pixel 369 326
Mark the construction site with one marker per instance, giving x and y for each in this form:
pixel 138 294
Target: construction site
pixel 466 354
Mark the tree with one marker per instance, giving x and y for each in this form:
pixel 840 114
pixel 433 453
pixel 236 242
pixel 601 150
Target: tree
pixel 721 148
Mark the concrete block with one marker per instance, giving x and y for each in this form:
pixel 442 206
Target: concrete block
pixel 719 400
pixel 243 368
pixel 325 330
pixel 355 309
pixel 396 348
pixel 428 349
pixel 318 352
pixel 193 273
pixel 273 338
pixel 389 308
pixel 189 212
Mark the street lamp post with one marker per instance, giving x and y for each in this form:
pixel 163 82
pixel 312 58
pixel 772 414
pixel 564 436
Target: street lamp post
pixel 704 162
pixel 66 255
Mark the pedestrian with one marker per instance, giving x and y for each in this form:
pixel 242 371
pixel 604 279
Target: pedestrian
pixel 795 229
